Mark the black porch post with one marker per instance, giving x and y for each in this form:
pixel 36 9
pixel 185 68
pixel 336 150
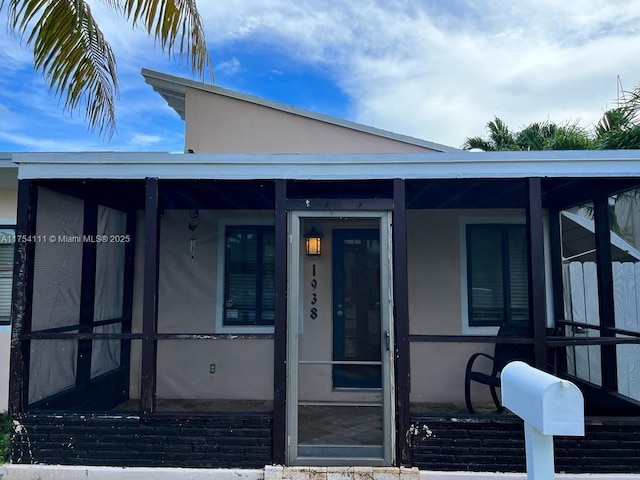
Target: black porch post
pixel 606 304
pixel 87 292
pixel 401 318
pixel 150 297
pixel 127 301
pixel 280 328
pixel 537 301
pixel 559 353
pixel 22 296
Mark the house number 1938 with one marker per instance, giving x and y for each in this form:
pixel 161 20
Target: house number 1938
pixel 313 311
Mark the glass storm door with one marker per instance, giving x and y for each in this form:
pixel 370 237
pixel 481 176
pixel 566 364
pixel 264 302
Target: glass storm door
pixel 340 377
pixel 356 309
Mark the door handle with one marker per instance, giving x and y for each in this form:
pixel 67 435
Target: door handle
pixel 387 339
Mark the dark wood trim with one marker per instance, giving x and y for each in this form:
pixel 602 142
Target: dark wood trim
pixel 279 430
pixel 551 341
pixel 70 332
pixel 469 339
pixel 77 327
pixel 150 297
pixel 128 288
pixel 610 331
pixel 22 297
pixel 606 300
pixel 329 204
pixel 401 323
pixel 87 292
pixel 535 258
pixel 214 336
pixel 82 336
pixel 555 243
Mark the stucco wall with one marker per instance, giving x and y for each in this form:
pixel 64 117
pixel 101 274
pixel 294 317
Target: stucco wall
pixel 8 204
pixel 244 368
pixel 436 303
pixel 219 124
pixel 188 303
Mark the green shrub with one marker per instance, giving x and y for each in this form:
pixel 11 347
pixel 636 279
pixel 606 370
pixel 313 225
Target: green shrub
pixel 5 436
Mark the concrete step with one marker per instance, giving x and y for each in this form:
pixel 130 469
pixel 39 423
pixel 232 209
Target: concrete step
pixel 277 472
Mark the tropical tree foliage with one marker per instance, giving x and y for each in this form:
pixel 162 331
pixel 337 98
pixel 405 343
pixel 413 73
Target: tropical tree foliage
pixel 619 128
pixel 535 136
pixel 75 58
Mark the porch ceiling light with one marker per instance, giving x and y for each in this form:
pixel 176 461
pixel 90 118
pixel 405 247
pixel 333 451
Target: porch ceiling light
pixel 313 242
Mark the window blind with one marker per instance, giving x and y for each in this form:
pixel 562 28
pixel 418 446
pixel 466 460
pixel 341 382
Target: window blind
pixel 7 238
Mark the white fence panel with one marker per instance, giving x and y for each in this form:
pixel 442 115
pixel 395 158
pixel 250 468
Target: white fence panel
pixel 626 290
pixel 584 361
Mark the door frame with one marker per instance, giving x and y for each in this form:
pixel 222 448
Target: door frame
pixel 295 309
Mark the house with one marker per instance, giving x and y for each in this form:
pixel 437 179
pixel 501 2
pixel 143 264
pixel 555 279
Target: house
pixel 303 290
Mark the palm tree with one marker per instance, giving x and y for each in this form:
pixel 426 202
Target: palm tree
pixel 500 138
pixel 77 61
pixel 536 136
pixel 618 128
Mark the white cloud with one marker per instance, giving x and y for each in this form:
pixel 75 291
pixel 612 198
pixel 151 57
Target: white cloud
pixel 144 140
pixel 433 69
pixel 228 67
pixel 443 72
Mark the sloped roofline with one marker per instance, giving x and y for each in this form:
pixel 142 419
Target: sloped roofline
pixel 173 88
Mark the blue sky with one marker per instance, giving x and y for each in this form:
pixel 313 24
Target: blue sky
pixel 434 69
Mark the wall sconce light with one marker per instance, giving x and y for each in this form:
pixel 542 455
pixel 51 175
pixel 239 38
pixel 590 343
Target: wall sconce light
pixel 313 242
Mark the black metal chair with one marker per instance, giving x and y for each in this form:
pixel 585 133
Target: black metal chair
pixel 503 354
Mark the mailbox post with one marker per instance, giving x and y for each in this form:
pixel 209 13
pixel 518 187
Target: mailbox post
pixel 549 406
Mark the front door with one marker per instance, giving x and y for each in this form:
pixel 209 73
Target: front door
pixel 340 372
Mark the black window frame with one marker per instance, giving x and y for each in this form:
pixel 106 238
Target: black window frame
pixel 6 320
pixel 259 307
pixel 507 316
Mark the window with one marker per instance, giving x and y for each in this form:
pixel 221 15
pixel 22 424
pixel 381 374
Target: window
pixel 7 241
pixel 497 278
pixel 249 268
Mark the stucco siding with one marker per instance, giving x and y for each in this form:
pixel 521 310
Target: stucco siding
pixel 218 124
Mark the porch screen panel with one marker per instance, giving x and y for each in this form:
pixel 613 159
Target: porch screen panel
pixel 215 310
pixel 625 252
pixel 581 290
pixel 56 291
pixel 110 258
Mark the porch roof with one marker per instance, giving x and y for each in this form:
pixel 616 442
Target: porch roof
pixel 451 165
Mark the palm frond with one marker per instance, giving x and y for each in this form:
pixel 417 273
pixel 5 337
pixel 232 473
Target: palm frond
pixel 72 54
pixel 477 142
pixel 177 27
pixel 76 59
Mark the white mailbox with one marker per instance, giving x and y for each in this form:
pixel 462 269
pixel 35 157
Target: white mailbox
pixel 549 406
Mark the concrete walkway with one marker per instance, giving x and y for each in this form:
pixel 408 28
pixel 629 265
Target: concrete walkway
pixel 63 472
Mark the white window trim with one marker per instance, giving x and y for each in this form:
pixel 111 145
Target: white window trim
pixel 517 220
pixel 220 327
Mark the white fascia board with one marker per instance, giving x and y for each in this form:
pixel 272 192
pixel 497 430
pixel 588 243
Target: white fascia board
pixel 6 160
pixel 137 165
